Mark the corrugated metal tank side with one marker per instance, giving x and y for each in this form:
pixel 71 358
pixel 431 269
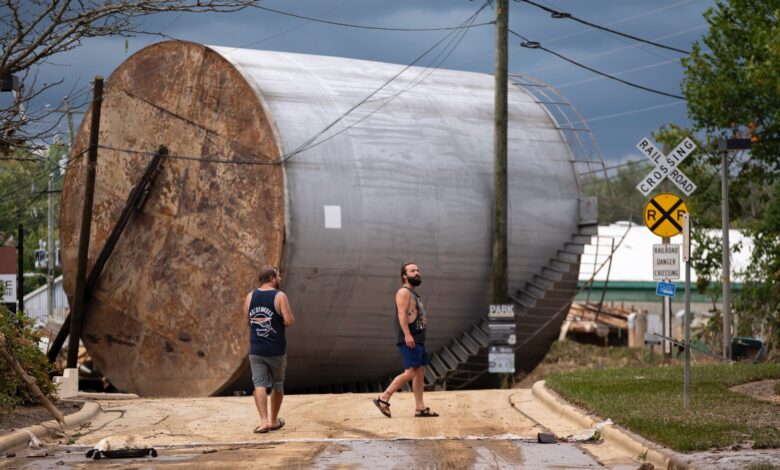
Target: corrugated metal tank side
pixel 413 181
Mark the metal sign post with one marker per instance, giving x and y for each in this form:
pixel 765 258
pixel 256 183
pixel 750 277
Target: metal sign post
pixel 667 319
pixel 687 259
pixel 663 215
pixel 503 337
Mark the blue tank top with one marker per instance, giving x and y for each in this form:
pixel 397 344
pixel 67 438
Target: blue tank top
pixel 266 325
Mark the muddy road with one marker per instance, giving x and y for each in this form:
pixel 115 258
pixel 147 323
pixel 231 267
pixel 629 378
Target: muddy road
pixel 476 429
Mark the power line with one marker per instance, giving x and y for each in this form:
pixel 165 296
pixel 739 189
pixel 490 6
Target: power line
pixel 17 214
pixel 563 15
pixel 619 72
pixel 627 113
pixel 358 26
pixel 41 175
pixel 309 143
pixel 190 158
pixel 536 45
pixel 622 20
pixel 614 50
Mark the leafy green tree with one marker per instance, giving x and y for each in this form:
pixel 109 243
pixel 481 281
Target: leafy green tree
pixel 731 85
pixel 734 86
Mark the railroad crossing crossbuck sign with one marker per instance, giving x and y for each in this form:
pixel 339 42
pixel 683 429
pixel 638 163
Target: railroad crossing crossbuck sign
pixel 664 214
pixel 666 166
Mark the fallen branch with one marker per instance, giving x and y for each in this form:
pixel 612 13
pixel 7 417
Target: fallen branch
pixel 30 382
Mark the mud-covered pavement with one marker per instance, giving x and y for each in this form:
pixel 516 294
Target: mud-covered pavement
pixel 476 429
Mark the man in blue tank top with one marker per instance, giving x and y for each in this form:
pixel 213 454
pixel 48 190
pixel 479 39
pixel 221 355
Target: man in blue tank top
pixel 410 323
pixel 269 313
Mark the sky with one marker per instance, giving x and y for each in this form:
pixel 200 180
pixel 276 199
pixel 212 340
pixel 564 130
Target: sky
pixel 618 115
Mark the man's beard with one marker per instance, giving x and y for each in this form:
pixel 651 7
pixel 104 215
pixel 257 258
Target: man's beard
pixel 415 281
pixel 277 284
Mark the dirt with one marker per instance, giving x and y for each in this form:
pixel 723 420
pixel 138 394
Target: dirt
pixel 23 416
pixel 762 390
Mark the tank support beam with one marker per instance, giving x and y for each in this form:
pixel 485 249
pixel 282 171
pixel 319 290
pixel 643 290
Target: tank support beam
pixel 135 201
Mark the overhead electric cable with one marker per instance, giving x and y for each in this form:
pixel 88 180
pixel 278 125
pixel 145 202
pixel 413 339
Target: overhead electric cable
pixel 358 26
pixel 612 51
pixel 563 15
pixel 40 175
pixel 620 21
pixel 536 45
pixel 619 72
pixel 309 142
pixel 627 113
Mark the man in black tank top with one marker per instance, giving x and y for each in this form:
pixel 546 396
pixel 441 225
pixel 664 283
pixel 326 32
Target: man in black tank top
pixel 268 314
pixel 410 323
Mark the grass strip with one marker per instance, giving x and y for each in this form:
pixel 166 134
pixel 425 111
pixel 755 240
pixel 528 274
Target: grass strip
pixel 649 401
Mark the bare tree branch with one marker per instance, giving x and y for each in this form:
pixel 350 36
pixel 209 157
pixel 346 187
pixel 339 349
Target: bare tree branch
pixel 31 31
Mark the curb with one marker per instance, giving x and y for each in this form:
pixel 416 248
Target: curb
pixel 20 437
pixel 633 444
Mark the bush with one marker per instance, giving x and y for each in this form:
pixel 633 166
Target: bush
pixel 21 341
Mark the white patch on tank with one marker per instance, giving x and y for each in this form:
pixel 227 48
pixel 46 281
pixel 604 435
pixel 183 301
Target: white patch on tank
pixel 332 216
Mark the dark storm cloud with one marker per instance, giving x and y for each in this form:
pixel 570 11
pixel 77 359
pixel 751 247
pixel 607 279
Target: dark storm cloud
pixel 618 123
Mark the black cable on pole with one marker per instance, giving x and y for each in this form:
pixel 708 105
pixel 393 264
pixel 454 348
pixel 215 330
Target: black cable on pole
pixel 563 15
pixel 358 26
pixel 536 45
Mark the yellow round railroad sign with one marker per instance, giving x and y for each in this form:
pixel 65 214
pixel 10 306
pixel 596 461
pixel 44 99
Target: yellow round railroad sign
pixel 664 214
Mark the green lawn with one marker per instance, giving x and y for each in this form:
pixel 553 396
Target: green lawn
pixel 650 402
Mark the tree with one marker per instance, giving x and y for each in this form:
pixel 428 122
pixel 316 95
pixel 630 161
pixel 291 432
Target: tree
pixel 32 31
pixel 733 87
pixel 732 90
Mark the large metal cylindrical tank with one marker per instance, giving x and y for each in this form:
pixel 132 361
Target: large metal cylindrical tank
pixel 407 175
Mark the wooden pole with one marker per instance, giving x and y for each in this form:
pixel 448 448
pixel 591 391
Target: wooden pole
pixel 86 222
pixel 20 270
pixel 134 203
pixel 500 193
pixel 30 382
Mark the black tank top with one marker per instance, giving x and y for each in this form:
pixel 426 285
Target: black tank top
pixel 417 327
pixel 266 325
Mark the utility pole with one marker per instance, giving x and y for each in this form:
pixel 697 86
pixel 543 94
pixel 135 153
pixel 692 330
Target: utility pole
pixel 20 270
pixel 726 252
pixel 86 222
pixel 724 146
pixel 50 243
pixel 500 191
pixel 69 113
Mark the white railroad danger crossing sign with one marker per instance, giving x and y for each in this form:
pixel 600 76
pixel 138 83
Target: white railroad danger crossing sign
pixel 666 166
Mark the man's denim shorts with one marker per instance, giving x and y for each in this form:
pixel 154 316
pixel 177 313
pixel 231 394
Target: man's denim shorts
pixel 268 371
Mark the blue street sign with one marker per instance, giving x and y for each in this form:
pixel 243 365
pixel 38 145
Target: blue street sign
pixel 666 289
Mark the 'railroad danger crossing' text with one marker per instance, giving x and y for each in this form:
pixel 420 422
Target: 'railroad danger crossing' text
pixel 666 166
pixel 666 262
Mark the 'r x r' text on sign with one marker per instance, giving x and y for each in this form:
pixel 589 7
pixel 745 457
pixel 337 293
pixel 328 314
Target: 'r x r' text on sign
pixel 666 166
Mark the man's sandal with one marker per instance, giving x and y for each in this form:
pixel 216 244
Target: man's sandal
pixel 278 426
pixel 383 406
pixel 260 429
pixel 426 413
